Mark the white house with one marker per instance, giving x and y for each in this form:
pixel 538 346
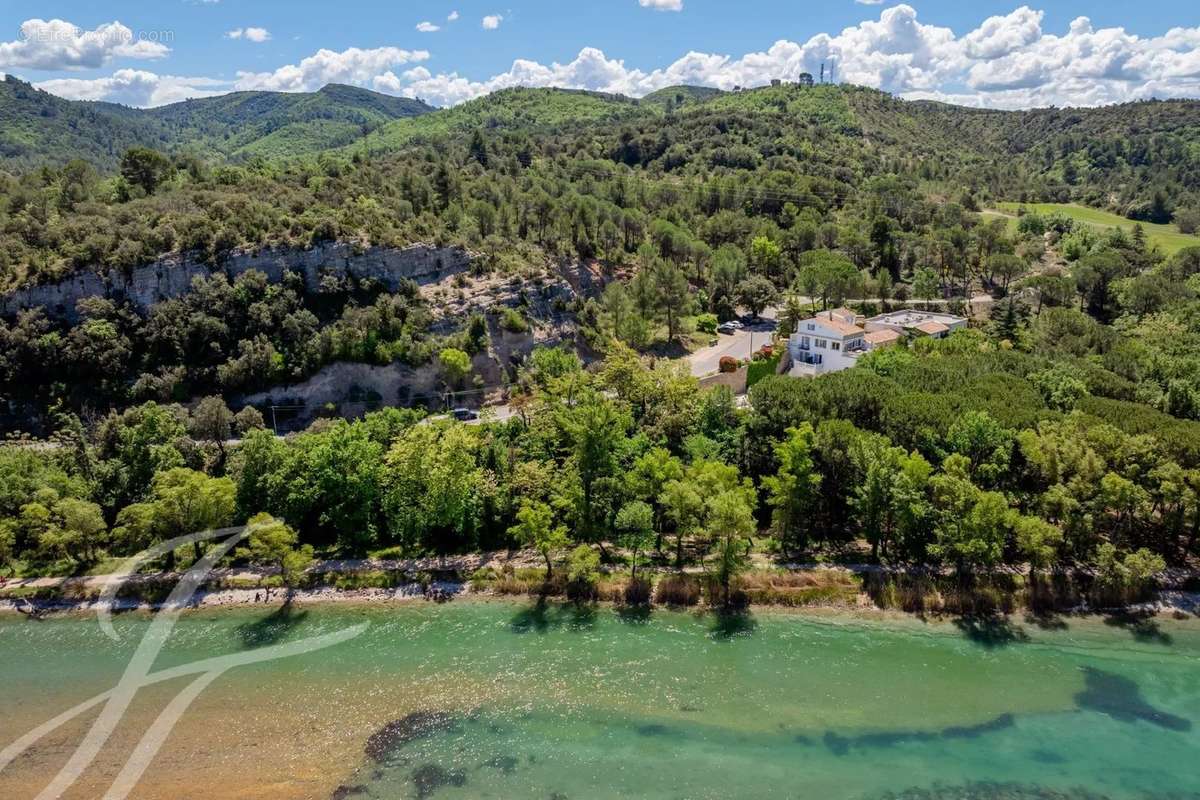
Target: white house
pixel 832 341
pixel 827 342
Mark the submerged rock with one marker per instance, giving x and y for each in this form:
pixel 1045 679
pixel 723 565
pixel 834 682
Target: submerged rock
pixel 505 764
pixel 343 792
pixel 399 732
pixel 428 778
pixel 984 790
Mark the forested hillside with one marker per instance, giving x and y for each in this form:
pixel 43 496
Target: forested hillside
pixel 1063 429
pixel 37 128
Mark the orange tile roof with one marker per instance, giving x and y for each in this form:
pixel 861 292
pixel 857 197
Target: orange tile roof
pixel 932 327
pixel 881 337
pixel 844 328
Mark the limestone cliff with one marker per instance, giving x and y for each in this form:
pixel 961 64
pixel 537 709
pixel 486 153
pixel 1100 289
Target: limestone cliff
pixel 172 276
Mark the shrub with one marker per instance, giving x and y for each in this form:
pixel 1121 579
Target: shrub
pixel 707 323
pixel 482 579
pixel 637 592
pixel 714 595
pixel 1124 579
pixel 937 594
pixel 763 367
pixel 393 553
pixel 512 321
pixel 367 579
pixel 529 581
pixel 728 364
pixel 583 570
pixel 610 590
pixel 678 590
pixel 819 587
pixel 1188 220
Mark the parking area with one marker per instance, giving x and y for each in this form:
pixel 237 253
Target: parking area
pixel 739 344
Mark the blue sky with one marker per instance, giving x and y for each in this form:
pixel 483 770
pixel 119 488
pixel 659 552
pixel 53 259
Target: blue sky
pixel 984 53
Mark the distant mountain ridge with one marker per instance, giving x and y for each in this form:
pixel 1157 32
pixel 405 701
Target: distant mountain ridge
pixel 37 127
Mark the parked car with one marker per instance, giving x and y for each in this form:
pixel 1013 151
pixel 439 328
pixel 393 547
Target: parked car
pixel 733 326
pixel 464 414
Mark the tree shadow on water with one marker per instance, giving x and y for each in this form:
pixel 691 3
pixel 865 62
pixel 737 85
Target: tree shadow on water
pixel 273 628
pixel 542 616
pixel 638 614
pixel 841 745
pixel 1047 620
pixel 1144 627
pixel 730 624
pixel 991 631
pixel 1120 698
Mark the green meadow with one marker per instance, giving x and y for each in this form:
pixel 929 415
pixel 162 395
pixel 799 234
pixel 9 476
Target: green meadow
pixel 1167 237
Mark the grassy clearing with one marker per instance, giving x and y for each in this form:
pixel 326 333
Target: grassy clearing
pixel 1167 237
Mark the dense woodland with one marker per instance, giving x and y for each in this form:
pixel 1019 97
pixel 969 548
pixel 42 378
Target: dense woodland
pixel 1062 432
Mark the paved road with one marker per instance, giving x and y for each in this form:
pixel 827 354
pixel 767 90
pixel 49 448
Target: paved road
pixel 739 345
pixel 500 413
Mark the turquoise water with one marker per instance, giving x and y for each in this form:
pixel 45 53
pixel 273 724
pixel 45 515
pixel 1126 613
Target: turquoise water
pixel 509 700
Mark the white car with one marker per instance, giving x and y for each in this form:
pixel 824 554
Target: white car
pixel 729 327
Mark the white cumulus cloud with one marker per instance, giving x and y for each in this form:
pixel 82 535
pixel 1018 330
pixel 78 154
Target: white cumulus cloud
pixel 57 44
pixel 492 21
pixel 427 27
pixel 135 87
pixel 257 35
pixel 662 5
pixel 453 16
pixel 1006 61
pixel 999 36
pixel 353 65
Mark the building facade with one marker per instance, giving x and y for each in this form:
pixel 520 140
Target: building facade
pixel 832 341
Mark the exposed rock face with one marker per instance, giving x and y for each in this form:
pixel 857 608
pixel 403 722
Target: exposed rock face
pixel 173 275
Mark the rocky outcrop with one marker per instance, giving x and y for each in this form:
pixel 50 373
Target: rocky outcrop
pixel 172 276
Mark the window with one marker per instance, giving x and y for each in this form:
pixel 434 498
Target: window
pixel 819 342
pixel 835 345
pixel 812 327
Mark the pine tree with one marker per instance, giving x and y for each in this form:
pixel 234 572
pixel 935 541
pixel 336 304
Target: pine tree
pixel 478 148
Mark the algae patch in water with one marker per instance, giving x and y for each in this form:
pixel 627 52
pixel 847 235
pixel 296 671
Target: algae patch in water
pixel 428 778
pixel 382 744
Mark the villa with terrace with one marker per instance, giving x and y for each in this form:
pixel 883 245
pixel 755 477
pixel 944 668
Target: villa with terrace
pixel 834 340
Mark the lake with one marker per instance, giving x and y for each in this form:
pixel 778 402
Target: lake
pixel 481 699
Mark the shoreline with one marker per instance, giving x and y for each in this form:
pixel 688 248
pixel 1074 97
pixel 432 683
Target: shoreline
pixel 1166 603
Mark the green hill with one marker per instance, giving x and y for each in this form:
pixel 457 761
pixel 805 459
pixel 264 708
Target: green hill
pixel 277 124
pixel 39 128
pixel 528 110
pixel 1139 160
pixel 682 96
pixel 789 153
